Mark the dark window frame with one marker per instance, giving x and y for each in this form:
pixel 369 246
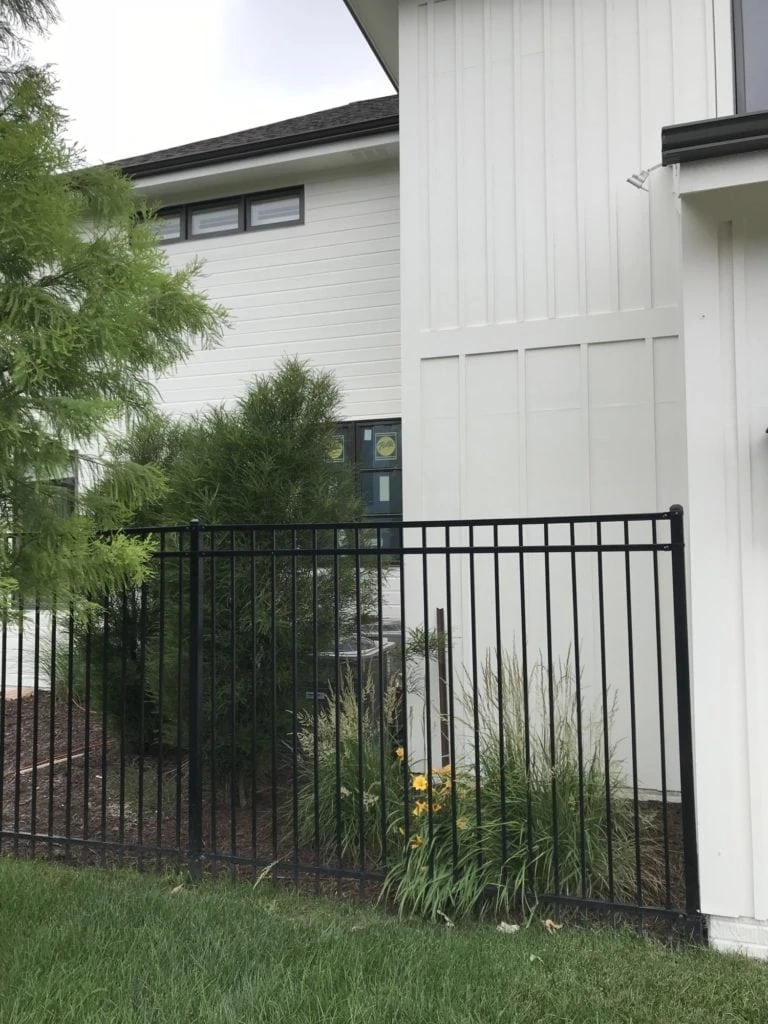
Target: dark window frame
pixel 275 193
pixel 173 211
pixel 235 202
pixel 350 430
pixel 739 60
pixel 739 72
pixel 186 211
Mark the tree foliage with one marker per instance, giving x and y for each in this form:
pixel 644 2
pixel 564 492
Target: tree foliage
pixel 90 316
pixel 267 618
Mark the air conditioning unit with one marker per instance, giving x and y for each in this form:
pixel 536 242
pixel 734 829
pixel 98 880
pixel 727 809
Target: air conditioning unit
pixel 366 666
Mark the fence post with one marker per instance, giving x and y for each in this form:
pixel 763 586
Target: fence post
pixel 195 701
pixel 684 718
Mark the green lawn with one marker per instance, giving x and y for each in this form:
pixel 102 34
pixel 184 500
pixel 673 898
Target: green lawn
pixel 88 946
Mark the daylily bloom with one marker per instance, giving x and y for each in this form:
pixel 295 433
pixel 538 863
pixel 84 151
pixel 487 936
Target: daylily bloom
pixel 416 842
pixel 420 782
pixel 399 753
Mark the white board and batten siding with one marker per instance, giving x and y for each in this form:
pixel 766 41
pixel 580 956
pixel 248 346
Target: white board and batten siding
pixel 540 290
pixel 725 259
pixel 542 364
pixel 327 291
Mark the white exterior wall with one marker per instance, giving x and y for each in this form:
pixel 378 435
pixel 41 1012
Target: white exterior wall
pixel 543 370
pixel 725 301
pixel 530 267
pixel 542 366
pixel 327 291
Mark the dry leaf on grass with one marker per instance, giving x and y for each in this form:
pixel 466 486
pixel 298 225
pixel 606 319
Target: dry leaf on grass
pixel 551 926
pixel 507 929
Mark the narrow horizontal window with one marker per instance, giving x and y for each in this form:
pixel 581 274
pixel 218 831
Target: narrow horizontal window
pixel 216 220
pixel 270 212
pixel 168 227
pixel 230 215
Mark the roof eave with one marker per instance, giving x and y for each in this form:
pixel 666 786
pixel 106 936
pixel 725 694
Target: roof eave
pixel 191 160
pixel 377 20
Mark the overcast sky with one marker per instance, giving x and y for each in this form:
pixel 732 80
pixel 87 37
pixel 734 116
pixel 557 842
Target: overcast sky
pixel 141 75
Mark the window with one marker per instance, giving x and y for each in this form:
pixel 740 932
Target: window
pixel 168 226
pixel 274 209
pixel 750 40
pixel 270 212
pixel 375 451
pixel 214 220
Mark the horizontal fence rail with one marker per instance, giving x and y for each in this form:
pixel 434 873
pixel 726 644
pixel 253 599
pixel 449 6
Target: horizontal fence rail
pixel 472 714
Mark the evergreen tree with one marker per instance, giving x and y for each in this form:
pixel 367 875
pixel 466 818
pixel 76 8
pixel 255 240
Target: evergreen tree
pixel 90 316
pixel 267 618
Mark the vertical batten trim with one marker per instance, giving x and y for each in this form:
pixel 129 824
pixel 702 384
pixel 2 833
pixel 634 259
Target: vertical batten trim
pixel 517 77
pixel 488 100
pixel 578 81
pixel 585 424
pixel 549 227
pixel 613 219
pixel 424 71
pixel 650 346
pixel 458 106
pixel 522 402
pixel 645 159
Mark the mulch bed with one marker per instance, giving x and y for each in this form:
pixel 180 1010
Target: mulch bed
pixel 70 794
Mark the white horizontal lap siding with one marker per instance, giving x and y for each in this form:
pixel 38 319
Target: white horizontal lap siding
pixel 327 291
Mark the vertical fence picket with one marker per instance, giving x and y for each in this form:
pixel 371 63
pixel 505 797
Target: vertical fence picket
pixel 196 583
pixel 684 718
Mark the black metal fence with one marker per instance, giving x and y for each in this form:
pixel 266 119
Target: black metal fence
pixel 489 712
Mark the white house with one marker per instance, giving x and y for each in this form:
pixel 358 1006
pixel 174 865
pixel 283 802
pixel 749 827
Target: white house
pixel 612 335
pixel 553 339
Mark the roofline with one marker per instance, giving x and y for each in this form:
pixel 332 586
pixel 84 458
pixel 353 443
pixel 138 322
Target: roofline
pixel 188 161
pixel 366 35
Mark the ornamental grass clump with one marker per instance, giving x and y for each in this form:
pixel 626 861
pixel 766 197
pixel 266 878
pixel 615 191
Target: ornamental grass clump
pixel 525 813
pixel 556 781
pixel 521 813
pixel 352 781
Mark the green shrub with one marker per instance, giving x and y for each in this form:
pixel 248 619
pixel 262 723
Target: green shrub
pixel 265 618
pixel 464 847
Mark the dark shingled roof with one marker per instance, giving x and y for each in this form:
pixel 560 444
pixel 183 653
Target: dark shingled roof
pixel 366 117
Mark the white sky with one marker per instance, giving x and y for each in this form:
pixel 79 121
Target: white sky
pixel 141 75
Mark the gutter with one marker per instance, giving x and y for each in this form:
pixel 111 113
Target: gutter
pixel 721 136
pixel 188 161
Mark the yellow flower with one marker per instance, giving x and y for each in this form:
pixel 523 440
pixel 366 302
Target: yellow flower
pixel 419 782
pixel 461 824
pixel 416 842
pixel 445 770
pixel 436 808
pixel 418 808
pixel 399 753
pixel 401 830
pixel 446 783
